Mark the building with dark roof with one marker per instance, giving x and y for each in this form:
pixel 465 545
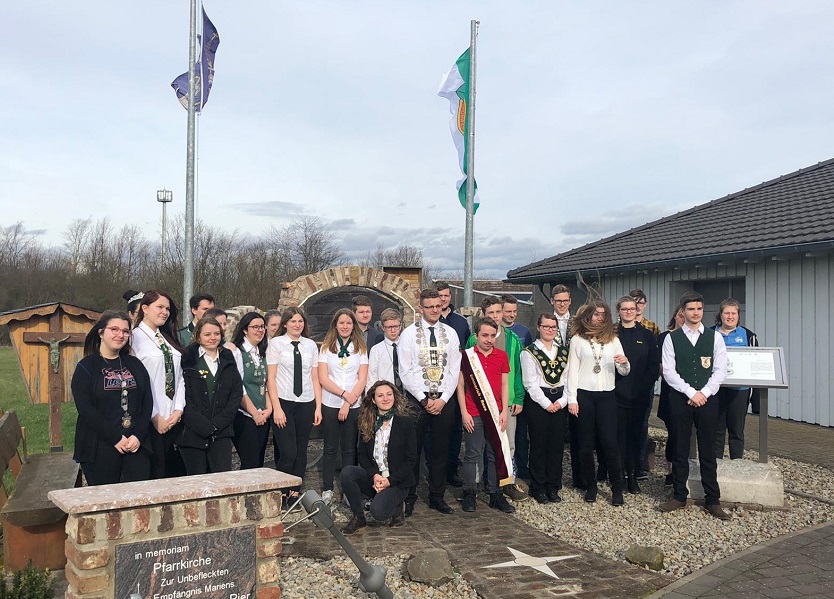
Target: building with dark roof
pixel 770 246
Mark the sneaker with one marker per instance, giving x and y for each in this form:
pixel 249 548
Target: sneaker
pixel 617 498
pixel 553 496
pixel 591 495
pixel 671 505
pixel 354 524
pixel 498 502
pixel 633 487
pixel 717 512
pixel 642 475
pixel 540 497
pixel 327 497
pixel 468 502
pixel 514 492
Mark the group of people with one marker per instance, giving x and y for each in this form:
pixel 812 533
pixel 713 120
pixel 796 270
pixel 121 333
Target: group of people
pixel 158 401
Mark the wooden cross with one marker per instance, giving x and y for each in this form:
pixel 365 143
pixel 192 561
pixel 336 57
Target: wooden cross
pixel 54 339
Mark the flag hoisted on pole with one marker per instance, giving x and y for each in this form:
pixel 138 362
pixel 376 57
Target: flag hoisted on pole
pixel 455 88
pixel 209 41
pixel 458 86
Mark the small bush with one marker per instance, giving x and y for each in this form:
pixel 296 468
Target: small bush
pixel 29 583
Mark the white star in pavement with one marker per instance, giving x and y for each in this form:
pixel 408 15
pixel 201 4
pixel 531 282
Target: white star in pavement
pixel 537 563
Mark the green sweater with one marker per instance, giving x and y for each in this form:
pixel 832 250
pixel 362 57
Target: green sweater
pixel 513 347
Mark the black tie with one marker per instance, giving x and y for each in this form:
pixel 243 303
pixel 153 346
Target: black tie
pixel 296 376
pixel 396 363
pixel 432 338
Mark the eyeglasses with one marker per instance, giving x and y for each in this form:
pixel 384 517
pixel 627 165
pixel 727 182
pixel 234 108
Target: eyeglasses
pixel 641 302
pixel 257 327
pixel 116 331
pixel 548 327
pixel 628 309
pixel 567 301
pixel 393 327
pixel 433 307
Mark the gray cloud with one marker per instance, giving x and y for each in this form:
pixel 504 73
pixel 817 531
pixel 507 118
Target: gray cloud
pixel 273 208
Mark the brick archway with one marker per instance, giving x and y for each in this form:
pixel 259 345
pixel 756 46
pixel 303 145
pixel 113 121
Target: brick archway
pixel 399 290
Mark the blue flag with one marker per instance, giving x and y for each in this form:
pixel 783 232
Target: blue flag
pixel 204 69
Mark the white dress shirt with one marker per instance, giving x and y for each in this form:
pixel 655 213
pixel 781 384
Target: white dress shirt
pixel 281 353
pixel 562 321
pixel 212 363
pixel 581 364
pixel 381 362
pixel 411 373
pixel 145 346
pixel 533 379
pixel 719 364
pixel 345 376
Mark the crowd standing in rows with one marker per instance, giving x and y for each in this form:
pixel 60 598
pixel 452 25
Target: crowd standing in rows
pixel 155 401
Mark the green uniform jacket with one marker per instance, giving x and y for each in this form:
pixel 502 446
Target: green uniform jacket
pixel 513 348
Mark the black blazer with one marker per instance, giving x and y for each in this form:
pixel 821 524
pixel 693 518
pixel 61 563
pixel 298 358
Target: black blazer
pixel 205 420
pixel 374 337
pixel 100 412
pixel 402 453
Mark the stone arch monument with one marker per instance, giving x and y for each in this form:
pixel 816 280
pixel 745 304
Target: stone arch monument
pixel 320 293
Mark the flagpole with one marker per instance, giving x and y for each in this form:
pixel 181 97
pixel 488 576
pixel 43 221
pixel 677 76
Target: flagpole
pixel 188 267
pixel 470 171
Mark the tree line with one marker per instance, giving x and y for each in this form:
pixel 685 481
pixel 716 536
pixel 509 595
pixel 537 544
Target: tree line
pixel 97 262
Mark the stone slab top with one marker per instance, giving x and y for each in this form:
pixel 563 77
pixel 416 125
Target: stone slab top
pixel 103 498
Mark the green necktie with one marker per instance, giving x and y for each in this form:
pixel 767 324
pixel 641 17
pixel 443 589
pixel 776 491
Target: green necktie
pixel 169 366
pixel 296 374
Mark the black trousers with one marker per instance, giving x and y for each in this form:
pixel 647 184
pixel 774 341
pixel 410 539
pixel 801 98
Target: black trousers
pixel 438 428
pixel 732 412
pixel 250 441
pixel 455 440
pixel 337 433
pixel 629 437
pixel 111 467
pixel 356 483
pixel 597 420
pixel 166 461
pixel 682 416
pixel 522 445
pixel 217 458
pixel 547 445
pixel 573 435
pixel 294 437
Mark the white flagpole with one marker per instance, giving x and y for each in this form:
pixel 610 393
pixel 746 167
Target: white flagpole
pixel 470 171
pixel 188 266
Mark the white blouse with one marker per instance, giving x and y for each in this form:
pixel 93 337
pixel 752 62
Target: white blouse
pixel 581 364
pixel 145 346
pixel 280 352
pixel 345 376
pixel 532 378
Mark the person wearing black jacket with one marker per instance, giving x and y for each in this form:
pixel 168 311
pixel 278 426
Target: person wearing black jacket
pixel 112 392
pixel 387 455
pixel 213 394
pixel 632 390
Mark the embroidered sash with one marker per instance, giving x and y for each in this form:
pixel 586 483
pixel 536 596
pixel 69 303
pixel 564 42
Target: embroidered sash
pixel 475 377
pixel 551 369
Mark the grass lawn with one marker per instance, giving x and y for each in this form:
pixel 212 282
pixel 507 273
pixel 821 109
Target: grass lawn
pixel 35 418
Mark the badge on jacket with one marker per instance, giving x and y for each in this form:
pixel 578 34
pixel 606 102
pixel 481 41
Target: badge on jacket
pixel 706 361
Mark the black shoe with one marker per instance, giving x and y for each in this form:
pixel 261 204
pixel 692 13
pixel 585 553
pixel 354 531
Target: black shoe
pixel 669 480
pixel 540 497
pixel 633 487
pixel 398 519
pixel 454 479
pixel 553 496
pixel 354 524
pixel 617 497
pixel 468 503
pixel 441 506
pixel 409 507
pixel 642 475
pixel 591 494
pixel 499 502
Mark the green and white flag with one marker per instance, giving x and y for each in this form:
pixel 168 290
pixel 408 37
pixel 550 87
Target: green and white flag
pixel 455 88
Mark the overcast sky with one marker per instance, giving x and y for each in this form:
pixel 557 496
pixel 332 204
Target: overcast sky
pixel 591 117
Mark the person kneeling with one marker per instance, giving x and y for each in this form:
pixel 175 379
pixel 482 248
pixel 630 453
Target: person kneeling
pixel 483 383
pixel 387 454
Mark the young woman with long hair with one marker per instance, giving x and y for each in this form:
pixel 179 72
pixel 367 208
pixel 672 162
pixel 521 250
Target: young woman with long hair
pixel 294 390
pixel 343 370
pixel 213 392
pixel 387 455
pixel 273 320
pixel 632 390
pixel 155 343
pixel 112 392
pixel 255 412
pixel 595 355
pixel 132 298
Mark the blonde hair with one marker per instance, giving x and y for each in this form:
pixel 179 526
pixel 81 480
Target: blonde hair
pixel 330 340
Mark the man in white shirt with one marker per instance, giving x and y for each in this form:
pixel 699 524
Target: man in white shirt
pixel 560 299
pixel 694 366
pixel 429 357
pixel 383 359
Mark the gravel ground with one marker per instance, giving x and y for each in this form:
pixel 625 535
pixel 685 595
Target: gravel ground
pixel 690 538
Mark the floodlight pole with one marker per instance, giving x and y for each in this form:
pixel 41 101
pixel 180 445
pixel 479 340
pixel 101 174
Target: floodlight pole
pixel 188 266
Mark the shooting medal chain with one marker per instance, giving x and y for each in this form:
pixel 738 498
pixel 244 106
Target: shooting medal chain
pixel 432 359
pixel 127 420
pixel 597 358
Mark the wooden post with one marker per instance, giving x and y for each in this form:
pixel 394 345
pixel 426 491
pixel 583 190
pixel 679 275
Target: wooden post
pixel 55 385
